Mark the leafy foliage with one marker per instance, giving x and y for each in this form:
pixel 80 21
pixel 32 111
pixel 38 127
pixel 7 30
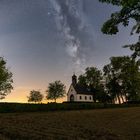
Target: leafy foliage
pixel 135 48
pixel 5 79
pixel 123 78
pixel 35 96
pixel 130 10
pixel 55 90
pixel 91 79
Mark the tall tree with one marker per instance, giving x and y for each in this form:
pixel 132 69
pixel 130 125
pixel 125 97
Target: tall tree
pixel 91 79
pixel 5 79
pixel 123 78
pixel 131 79
pixel 35 96
pixel 129 9
pixel 56 90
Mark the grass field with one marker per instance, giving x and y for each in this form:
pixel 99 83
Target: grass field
pixel 101 124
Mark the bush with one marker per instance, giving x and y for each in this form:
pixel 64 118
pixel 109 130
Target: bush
pixel 25 107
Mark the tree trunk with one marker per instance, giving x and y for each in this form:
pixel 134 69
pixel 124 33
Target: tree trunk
pixel 125 97
pixel 94 100
pixel 113 101
pixel 119 99
pixel 122 98
pixel 55 100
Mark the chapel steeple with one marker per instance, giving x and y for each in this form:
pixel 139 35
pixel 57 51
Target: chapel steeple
pixel 74 79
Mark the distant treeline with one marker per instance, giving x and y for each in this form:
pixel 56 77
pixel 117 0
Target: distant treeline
pixel 25 107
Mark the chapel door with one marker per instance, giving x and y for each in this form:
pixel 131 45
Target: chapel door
pixel 71 98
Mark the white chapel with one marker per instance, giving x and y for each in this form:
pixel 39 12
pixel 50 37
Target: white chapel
pixel 77 93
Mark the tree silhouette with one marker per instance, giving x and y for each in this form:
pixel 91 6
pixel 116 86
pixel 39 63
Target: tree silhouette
pixel 35 96
pixel 129 10
pixel 91 79
pixel 55 90
pixel 5 79
pixel 123 78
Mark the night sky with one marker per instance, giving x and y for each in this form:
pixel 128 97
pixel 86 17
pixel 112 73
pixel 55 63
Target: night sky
pixel 47 40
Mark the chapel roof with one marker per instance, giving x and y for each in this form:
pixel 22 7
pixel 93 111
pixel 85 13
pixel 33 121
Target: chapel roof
pixel 83 90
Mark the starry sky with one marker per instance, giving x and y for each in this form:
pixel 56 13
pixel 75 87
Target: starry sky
pixel 48 40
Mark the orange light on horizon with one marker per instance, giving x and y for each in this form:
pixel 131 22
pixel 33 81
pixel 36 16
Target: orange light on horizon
pixel 19 95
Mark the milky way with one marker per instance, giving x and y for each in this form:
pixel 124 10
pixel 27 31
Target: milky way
pixel 71 21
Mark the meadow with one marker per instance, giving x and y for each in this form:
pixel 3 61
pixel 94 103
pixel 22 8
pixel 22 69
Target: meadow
pixel 97 124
